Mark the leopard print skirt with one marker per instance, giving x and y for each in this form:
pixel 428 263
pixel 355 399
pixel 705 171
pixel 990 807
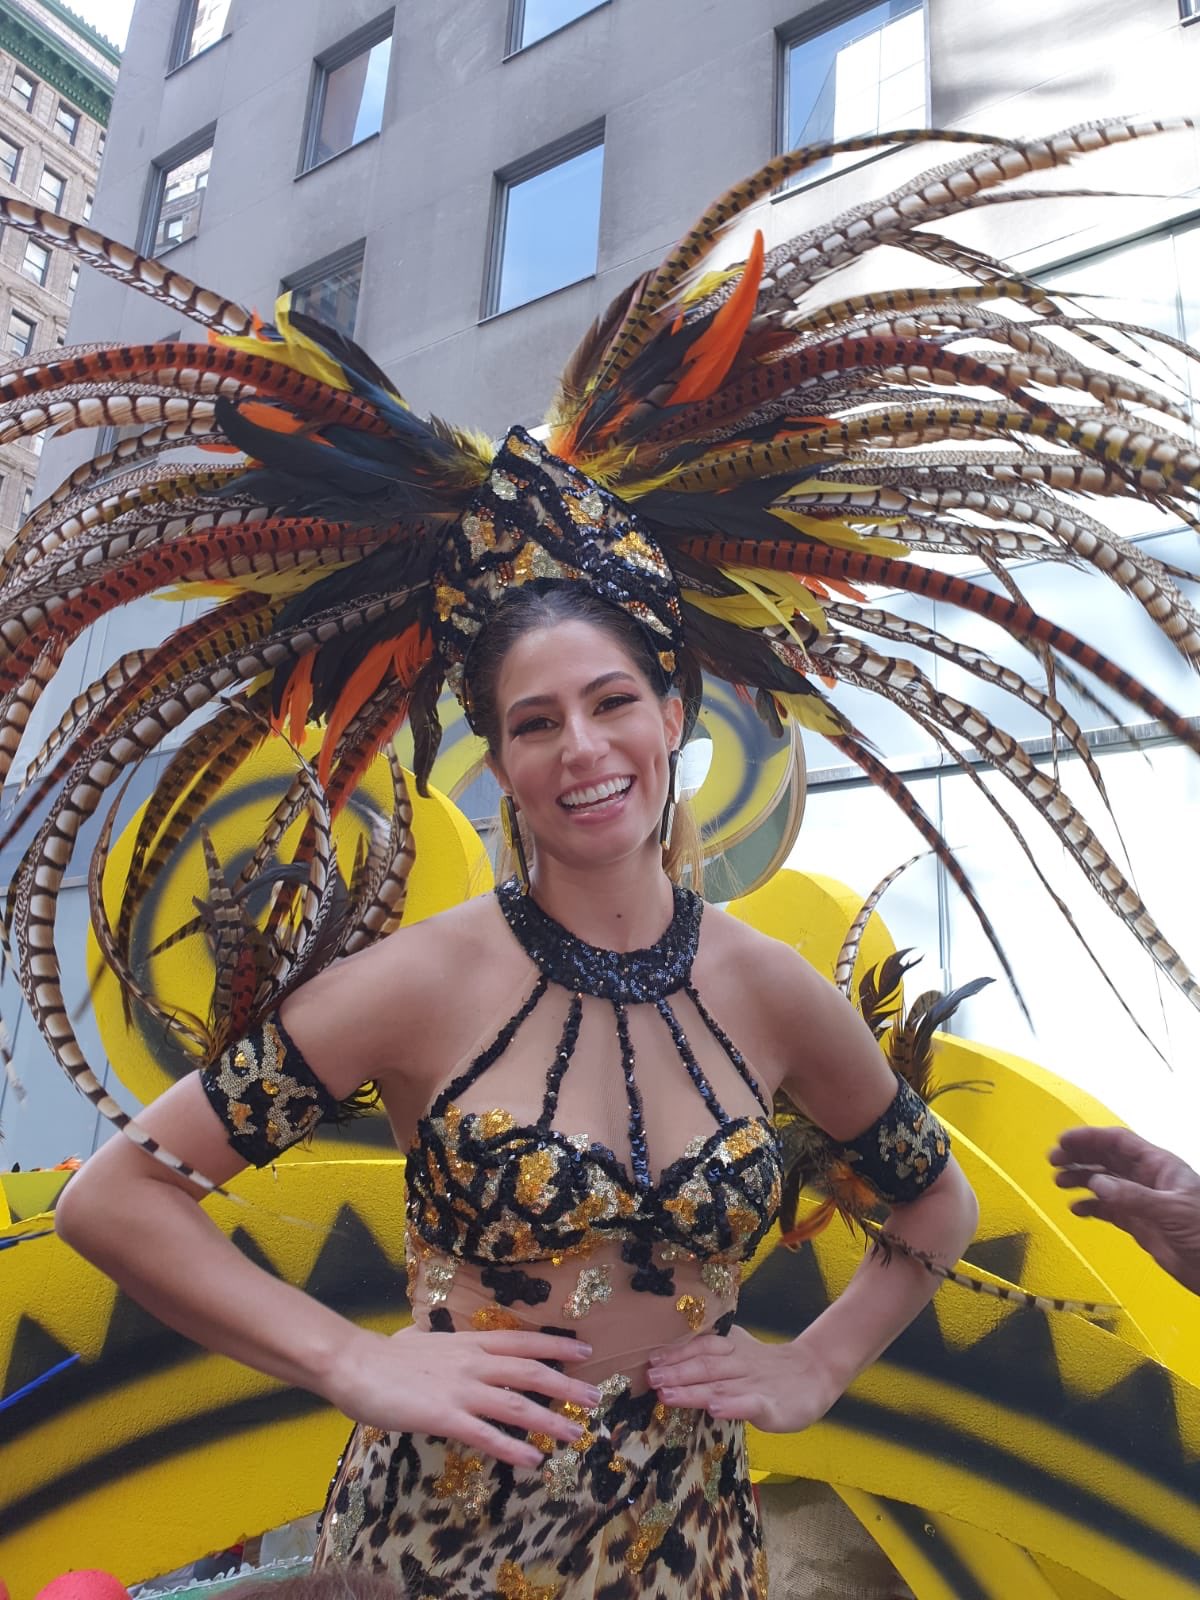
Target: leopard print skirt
pixel 652 1502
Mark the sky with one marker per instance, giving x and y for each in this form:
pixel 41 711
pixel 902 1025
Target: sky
pixel 110 17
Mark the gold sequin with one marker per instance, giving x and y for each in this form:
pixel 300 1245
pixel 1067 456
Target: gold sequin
pixel 560 1473
pixel 593 1287
pixel 533 1178
pixel 446 599
pixel 371 1434
pixel 638 552
pixel 463 1481
pixel 712 1472
pixel 513 1583
pixel 502 486
pixel 651 1532
pixel 489 1319
pixel 760 1574
pixel 344 1525
pixel 493 1123
pixel 691 1308
pixel 720 1278
pixel 592 506
pixel 741 1143
pixel 743 1221
pixel 439 1278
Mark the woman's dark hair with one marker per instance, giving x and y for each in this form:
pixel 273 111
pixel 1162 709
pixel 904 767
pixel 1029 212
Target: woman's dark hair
pixel 546 604
pixel 331 1583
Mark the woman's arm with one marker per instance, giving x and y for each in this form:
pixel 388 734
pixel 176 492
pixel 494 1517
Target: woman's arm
pixel 140 1223
pixel 841 1080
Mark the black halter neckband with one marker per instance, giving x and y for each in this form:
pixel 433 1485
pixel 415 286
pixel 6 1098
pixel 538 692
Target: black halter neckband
pixel 630 977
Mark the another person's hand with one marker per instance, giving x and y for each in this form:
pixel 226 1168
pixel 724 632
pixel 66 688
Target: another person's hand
pixel 458 1385
pixel 1151 1194
pixel 777 1387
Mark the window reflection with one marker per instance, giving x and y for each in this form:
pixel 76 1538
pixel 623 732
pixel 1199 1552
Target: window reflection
pixel 348 104
pixel 183 187
pixel 864 75
pixel 550 229
pixel 331 297
pixel 203 24
pixel 536 18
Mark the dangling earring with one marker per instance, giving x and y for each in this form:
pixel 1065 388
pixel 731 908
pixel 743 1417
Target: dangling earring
pixel 510 827
pixel 668 816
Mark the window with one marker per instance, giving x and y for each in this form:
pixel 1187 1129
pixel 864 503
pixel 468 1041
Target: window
pixel 35 441
pixel 534 19
pixel 201 24
pixel 1189 10
pixel 101 141
pixel 177 194
pixel 346 104
pixel 22 90
pixel 27 502
pixel 51 190
pixel 10 159
pixel 22 331
pixel 328 290
pixel 547 223
pixel 89 202
pixel 73 284
pixel 860 75
pixel 67 122
pixel 36 264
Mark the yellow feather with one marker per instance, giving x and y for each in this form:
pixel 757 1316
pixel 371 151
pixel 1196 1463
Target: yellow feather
pixel 843 534
pixel 292 349
pixel 813 711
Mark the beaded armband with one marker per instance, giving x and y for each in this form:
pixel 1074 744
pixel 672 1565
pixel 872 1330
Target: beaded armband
pixel 266 1094
pixel 902 1152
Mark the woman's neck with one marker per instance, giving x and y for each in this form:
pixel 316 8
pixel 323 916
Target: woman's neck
pixel 624 905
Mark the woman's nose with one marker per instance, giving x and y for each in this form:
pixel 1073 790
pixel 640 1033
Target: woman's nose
pixel 583 740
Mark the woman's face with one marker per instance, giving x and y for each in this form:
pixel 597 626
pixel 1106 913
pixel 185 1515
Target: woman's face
pixel 584 743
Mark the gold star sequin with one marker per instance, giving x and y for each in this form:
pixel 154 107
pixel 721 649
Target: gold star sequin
pixel 691 1308
pixel 712 1472
pixel 490 1319
pixel 462 1481
pixel 593 1287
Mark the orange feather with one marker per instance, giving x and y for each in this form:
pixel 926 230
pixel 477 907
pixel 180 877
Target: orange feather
pixel 707 363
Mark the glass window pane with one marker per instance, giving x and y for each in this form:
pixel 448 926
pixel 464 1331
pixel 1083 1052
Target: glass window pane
pixel 51 190
pixel 37 261
pixel 183 196
pixel 351 101
pixel 10 155
pixel 23 90
pixel 333 298
pixel 540 17
pixel 21 331
pixel 864 75
pixel 551 229
pixel 73 285
pixel 208 25
pixel 26 501
pixel 66 121
pixel 88 203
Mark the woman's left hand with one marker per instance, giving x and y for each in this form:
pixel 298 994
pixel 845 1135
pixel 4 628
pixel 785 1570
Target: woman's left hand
pixel 780 1388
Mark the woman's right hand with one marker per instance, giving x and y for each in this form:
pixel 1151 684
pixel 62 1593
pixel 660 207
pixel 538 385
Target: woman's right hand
pixel 457 1385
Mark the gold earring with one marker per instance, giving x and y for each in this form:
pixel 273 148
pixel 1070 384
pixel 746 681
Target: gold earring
pixel 510 827
pixel 668 816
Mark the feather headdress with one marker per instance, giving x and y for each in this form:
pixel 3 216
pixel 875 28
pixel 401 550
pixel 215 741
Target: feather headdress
pixel 734 455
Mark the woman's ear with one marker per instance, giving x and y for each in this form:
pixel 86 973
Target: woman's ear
pixel 673 720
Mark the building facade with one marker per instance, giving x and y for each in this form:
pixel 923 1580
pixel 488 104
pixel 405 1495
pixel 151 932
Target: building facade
pixel 464 185
pixel 57 79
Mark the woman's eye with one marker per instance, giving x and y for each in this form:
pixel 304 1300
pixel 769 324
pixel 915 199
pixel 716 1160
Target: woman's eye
pixel 531 725
pixel 611 701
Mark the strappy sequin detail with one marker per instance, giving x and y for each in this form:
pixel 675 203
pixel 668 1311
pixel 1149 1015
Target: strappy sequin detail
pixel 488 1189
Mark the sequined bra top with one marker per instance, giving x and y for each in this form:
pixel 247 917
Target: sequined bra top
pixel 501 1194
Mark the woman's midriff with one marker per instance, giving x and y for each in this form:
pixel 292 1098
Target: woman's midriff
pixel 590 1297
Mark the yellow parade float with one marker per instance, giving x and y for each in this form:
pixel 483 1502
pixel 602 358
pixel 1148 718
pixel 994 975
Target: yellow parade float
pixel 1000 1449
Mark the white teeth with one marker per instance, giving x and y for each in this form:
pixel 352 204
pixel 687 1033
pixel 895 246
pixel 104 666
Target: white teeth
pixel 599 791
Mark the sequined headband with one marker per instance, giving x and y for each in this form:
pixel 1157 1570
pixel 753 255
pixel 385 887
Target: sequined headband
pixel 536 517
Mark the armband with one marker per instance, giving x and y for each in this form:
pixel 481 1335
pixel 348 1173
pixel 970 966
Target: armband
pixel 267 1096
pixel 902 1152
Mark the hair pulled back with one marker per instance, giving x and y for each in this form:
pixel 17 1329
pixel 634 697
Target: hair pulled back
pixel 546 604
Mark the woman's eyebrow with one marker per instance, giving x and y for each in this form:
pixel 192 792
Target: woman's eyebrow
pixel 589 688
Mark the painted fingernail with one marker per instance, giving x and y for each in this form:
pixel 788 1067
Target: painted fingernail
pixel 594 1395
pixel 653 1374
pixel 531 1458
pixel 583 1349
